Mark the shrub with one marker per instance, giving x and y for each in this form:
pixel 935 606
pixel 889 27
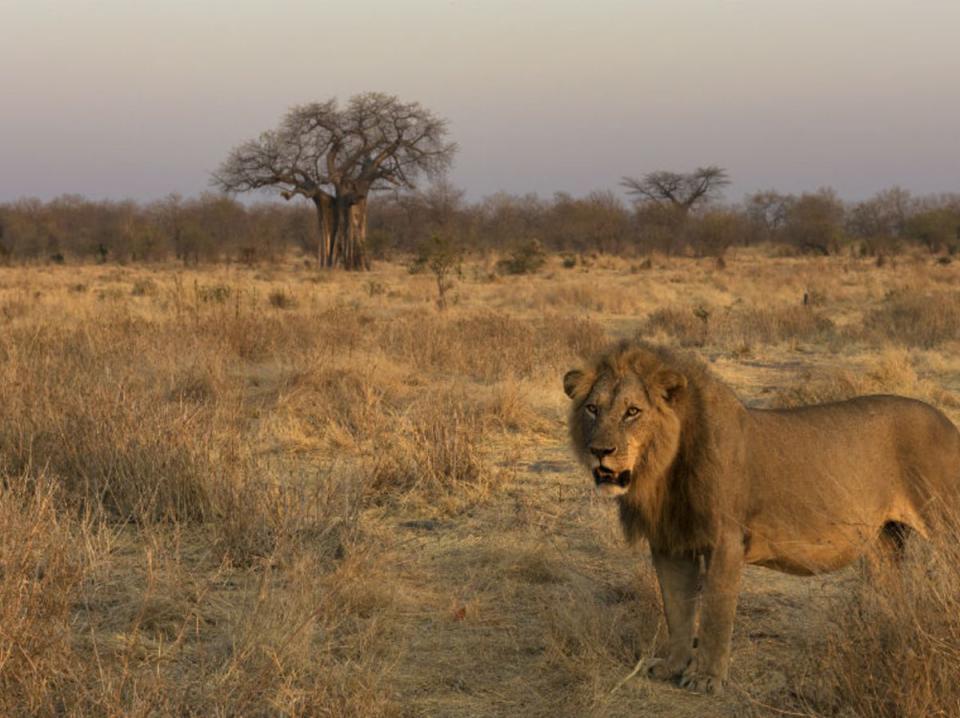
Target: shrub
pixel 144 287
pixel 526 258
pixel 212 293
pixel 375 289
pixel 281 299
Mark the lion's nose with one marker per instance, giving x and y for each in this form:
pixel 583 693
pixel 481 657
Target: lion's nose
pixel 601 451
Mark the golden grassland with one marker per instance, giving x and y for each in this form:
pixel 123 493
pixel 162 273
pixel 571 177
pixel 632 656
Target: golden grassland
pixel 271 491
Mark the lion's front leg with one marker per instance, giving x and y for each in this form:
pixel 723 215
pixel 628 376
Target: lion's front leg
pixel 678 588
pixel 721 589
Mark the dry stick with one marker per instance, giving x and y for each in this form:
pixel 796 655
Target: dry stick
pixel 767 706
pixel 640 662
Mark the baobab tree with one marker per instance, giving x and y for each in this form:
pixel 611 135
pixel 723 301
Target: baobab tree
pixel 336 157
pixel 680 190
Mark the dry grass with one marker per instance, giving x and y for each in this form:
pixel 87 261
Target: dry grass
pixel 434 452
pixel 271 491
pixel 41 570
pixel 892 647
pixel 917 318
pixel 737 326
pixel 890 372
pixel 599 630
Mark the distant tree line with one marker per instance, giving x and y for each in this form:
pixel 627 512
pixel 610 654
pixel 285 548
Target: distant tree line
pixel 208 228
pixel 690 222
pixel 215 227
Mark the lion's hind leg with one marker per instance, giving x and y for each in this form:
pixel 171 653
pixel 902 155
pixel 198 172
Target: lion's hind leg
pixel 893 540
pixel 884 561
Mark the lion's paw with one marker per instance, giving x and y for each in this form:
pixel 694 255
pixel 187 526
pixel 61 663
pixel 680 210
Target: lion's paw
pixel 657 668
pixel 662 670
pixel 702 683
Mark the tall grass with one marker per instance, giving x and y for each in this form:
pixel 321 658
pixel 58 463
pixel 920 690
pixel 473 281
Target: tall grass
pixel 890 372
pixel 738 325
pixel 231 450
pixel 917 318
pixel 80 406
pixel 42 567
pixel 436 455
pixel 893 645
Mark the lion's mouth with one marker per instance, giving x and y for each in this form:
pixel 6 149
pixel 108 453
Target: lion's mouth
pixel 602 475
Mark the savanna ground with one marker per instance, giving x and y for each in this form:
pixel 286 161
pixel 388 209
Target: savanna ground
pixel 267 491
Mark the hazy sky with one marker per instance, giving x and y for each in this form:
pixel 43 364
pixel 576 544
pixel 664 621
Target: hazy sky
pixel 140 98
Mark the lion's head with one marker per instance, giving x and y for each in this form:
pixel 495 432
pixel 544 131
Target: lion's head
pixel 626 417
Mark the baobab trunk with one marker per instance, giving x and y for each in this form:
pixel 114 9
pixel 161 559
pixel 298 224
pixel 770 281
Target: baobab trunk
pixel 326 219
pixel 358 231
pixel 351 234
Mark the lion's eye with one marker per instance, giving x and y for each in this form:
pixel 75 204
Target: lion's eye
pixel 591 409
pixel 632 412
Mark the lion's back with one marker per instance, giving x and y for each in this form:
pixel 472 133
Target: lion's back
pixel 870 459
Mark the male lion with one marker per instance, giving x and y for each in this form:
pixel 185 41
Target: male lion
pixel 704 478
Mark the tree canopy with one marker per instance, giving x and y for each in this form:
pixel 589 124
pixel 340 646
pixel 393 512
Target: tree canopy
pixel 335 157
pixel 682 190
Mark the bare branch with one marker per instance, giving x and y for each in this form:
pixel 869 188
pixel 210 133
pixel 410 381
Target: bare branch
pixel 682 190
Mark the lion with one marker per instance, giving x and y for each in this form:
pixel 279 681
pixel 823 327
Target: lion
pixel 714 485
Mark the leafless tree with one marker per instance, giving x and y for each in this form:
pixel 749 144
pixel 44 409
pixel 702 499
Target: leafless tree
pixel 767 212
pixel 335 157
pixel 682 190
pixel 441 202
pixel 883 215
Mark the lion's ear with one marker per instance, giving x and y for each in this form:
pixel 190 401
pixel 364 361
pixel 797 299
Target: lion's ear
pixel 670 384
pixel 572 381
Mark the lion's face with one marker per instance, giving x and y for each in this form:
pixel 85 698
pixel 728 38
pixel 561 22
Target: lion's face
pixel 622 421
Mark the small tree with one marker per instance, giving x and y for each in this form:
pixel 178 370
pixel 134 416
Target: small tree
pixel 711 234
pixel 884 215
pixel 444 258
pixel 658 227
pixel 815 222
pixel 936 229
pixel 336 157
pixel 526 258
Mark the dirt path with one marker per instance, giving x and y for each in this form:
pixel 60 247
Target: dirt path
pixel 531 605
